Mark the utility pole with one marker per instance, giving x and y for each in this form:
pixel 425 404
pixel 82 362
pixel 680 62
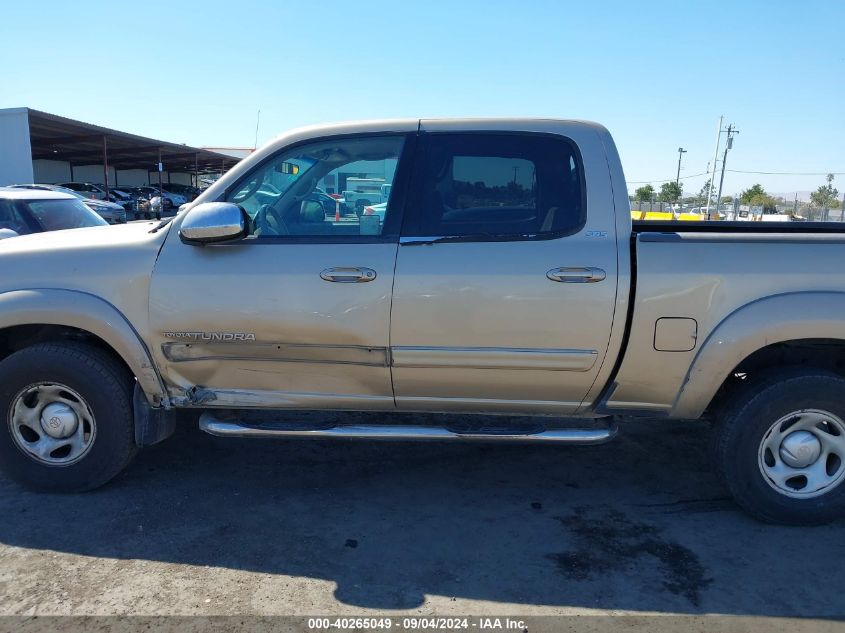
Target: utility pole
pixel 715 158
pixel 728 145
pixel 681 152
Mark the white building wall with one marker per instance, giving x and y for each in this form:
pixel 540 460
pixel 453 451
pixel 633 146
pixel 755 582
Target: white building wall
pixel 15 150
pixel 91 173
pixel 175 177
pixel 132 177
pixel 50 172
pixel 181 178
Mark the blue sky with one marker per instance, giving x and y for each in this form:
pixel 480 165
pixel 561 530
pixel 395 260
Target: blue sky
pixel 657 74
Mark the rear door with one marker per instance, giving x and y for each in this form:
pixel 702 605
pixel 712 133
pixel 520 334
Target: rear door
pixel 506 271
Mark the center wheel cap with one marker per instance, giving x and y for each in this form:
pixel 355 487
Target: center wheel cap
pixel 800 449
pixel 58 420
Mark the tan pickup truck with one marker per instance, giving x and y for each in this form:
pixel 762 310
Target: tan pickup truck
pixel 503 279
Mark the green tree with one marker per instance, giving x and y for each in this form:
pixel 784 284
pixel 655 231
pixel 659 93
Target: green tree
pixel 644 193
pixel 670 192
pixel 764 200
pixel 826 196
pixel 748 195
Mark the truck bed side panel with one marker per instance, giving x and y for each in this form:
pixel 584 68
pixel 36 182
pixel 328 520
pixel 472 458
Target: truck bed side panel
pixel 707 277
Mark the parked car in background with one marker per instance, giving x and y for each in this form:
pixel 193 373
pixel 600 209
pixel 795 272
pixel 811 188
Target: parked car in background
pixel 379 210
pixel 87 189
pixel 189 192
pixel 109 211
pixel 361 192
pixel 166 210
pixel 170 199
pixel 121 197
pixel 24 211
pixel 141 202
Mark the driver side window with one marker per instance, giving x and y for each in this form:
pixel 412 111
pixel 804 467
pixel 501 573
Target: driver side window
pixel 336 187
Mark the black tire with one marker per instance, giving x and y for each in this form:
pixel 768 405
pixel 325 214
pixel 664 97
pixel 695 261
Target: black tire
pixel 746 418
pixel 359 207
pixel 106 387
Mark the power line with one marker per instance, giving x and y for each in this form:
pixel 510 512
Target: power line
pixel 642 182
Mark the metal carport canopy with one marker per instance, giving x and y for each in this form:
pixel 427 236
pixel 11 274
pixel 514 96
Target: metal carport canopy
pixel 54 137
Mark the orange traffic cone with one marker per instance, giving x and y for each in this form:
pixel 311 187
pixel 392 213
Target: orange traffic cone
pixel 337 210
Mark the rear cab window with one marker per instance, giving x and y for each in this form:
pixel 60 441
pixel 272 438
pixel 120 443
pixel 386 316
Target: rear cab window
pixel 489 186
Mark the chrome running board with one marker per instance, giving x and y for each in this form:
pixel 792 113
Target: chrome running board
pixel 230 428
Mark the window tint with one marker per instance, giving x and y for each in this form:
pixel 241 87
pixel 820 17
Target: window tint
pixel 339 187
pixel 55 215
pixel 497 186
pixel 10 218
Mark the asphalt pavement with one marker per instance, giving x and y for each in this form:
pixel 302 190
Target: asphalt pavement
pixel 204 525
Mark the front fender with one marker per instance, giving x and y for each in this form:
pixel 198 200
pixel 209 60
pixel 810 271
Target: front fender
pixel 72 308
pixel 775 319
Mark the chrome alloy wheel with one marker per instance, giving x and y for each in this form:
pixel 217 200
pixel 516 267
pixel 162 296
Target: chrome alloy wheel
pixel 802 455
pixel 52 424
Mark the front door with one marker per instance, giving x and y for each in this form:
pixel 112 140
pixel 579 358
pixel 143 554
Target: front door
pixel 504 292
pixel 297 313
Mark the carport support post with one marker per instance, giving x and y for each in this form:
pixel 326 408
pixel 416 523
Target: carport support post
pixel 106 165
pixel 160 192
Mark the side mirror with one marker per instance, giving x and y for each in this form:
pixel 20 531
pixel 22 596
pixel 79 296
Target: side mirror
pixel 213 222
pixel 4 233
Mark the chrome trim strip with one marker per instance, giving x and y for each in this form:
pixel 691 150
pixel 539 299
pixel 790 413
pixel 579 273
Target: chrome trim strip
pixel 223 428
pixel 494 358
pixel 278 352
pixel 420 240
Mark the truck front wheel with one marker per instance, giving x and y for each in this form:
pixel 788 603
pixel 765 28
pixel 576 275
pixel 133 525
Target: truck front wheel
pixel 780 446
pixel 67 422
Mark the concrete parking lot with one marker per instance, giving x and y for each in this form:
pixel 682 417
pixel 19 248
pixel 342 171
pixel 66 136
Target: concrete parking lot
pixel 202 525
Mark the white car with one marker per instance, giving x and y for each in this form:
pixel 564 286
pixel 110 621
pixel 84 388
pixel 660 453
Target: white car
pixel 376 209
pixel 170 199
pixel 85 189
pixel 24 211
pixel 109 211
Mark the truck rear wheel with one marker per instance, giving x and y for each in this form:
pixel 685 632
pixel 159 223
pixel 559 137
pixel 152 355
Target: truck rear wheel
pixel 67 422
pixel 780 447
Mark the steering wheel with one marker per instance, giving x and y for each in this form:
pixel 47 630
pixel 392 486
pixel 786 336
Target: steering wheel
pixel 268 222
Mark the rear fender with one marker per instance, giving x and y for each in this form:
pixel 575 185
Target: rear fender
pixel 775 319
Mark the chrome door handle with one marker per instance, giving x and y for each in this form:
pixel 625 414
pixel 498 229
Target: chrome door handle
pixel 350 275
pixel 587 275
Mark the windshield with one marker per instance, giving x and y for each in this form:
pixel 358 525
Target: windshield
pixel 55 215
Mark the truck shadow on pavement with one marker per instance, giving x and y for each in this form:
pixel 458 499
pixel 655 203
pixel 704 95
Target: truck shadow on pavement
pixel 640 524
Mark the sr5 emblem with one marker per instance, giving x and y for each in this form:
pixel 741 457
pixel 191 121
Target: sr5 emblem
pixel 596 234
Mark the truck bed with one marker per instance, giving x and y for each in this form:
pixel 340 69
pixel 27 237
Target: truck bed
pixel 703 273
pixel 651 226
